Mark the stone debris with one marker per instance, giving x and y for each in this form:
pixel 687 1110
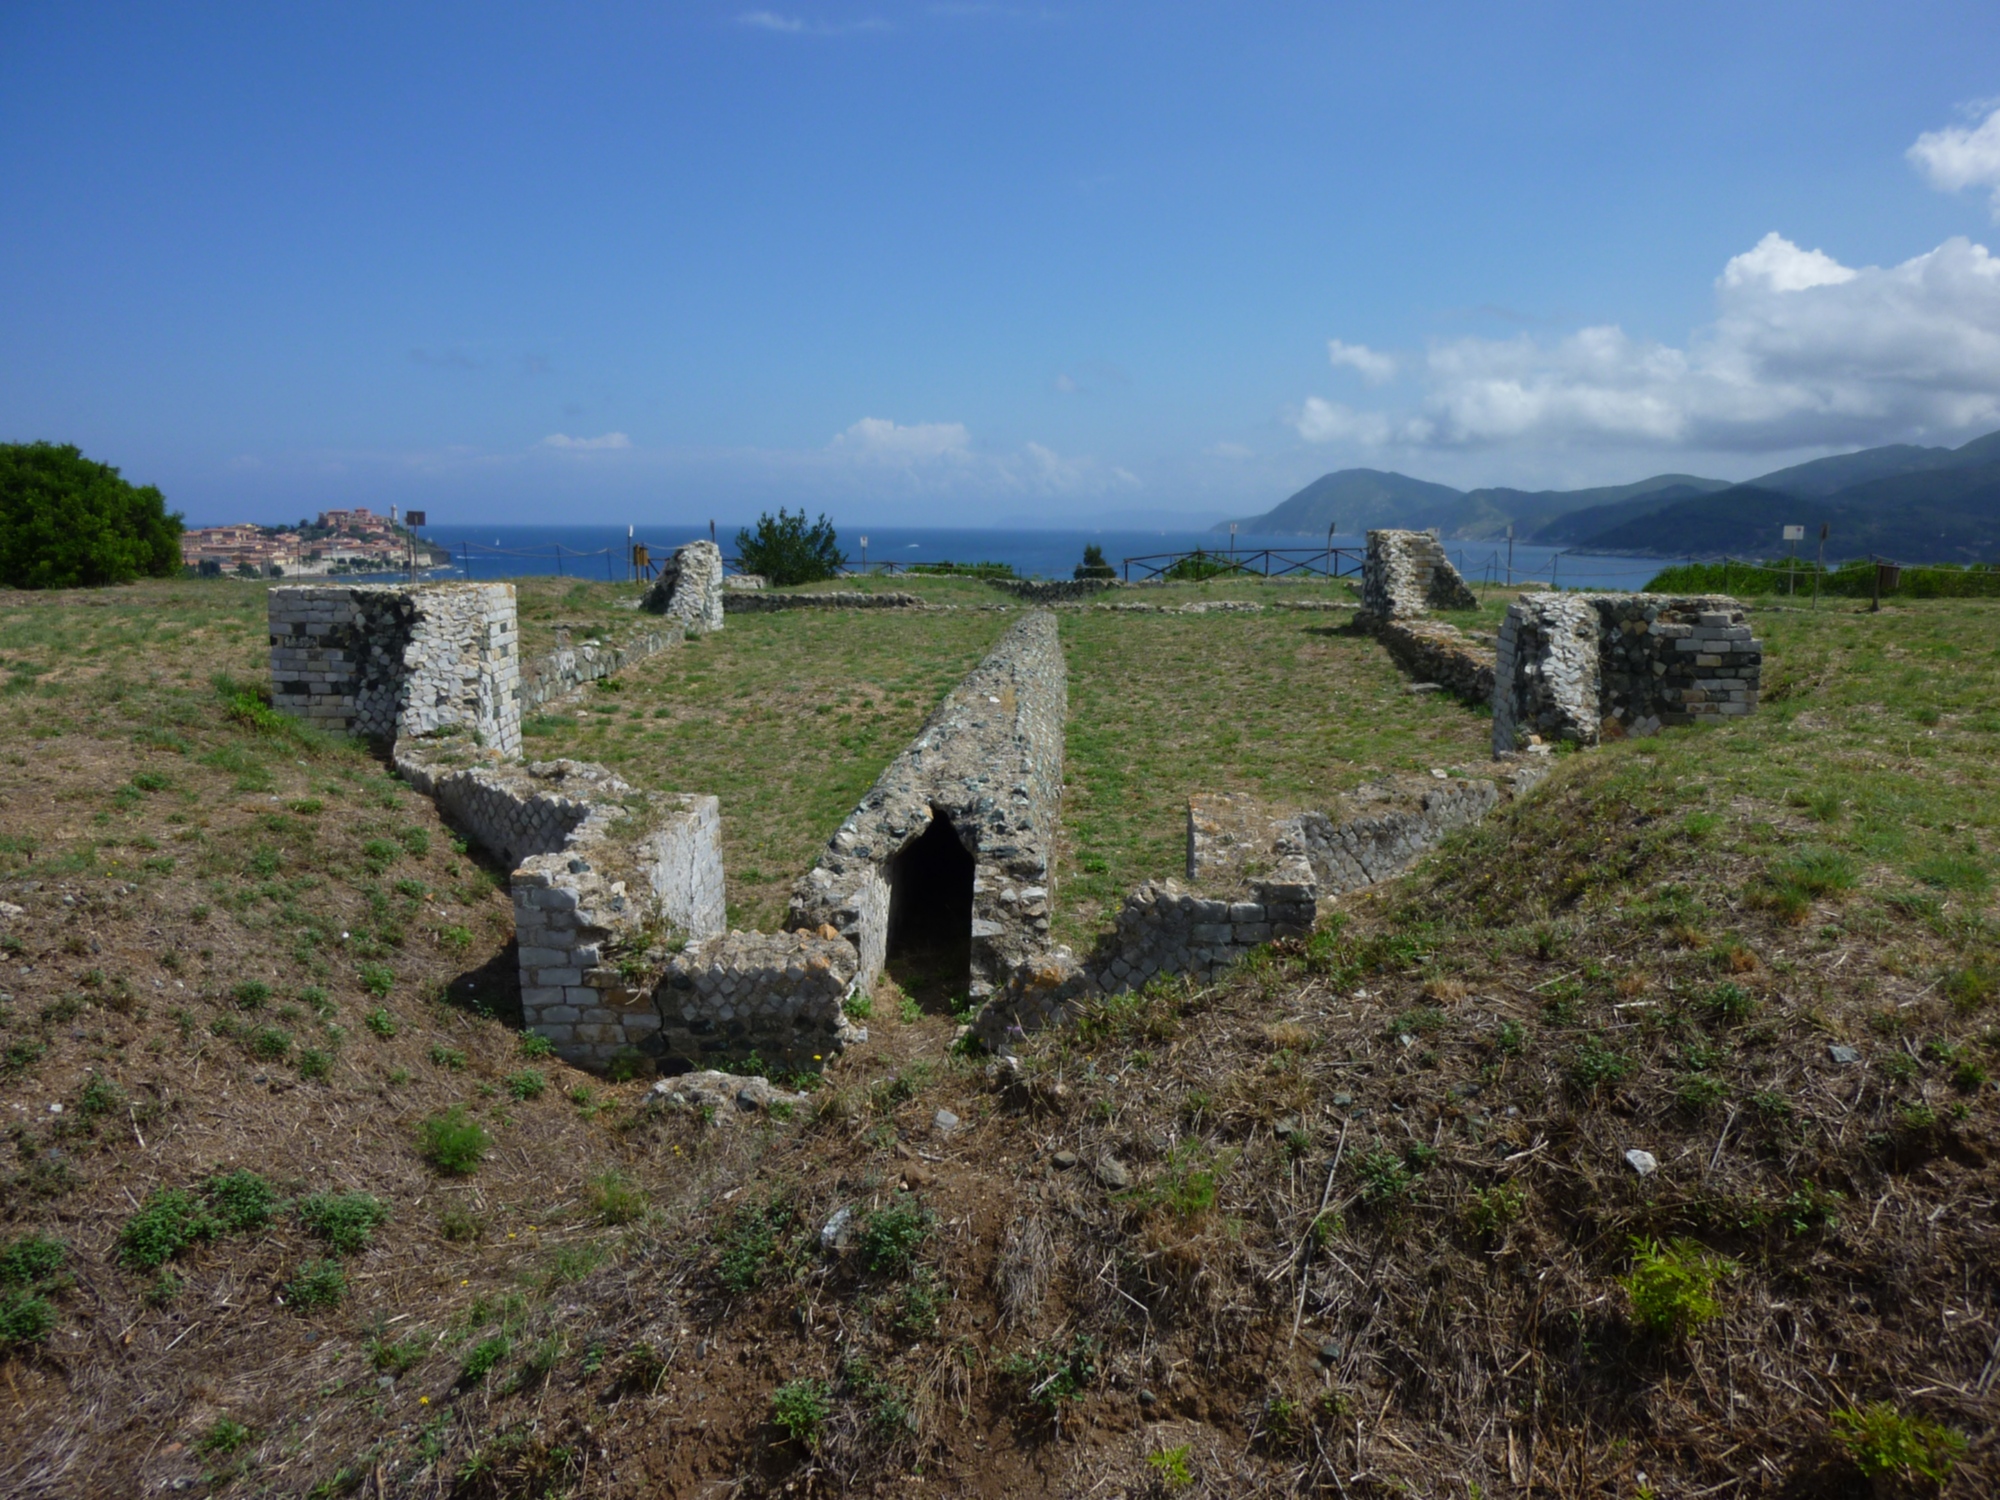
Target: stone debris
pixel 725 1093
pixel 1112 1174
pixel 1063 1161
pixel 1844 1057
pixel 990 761
pixel 689 588
pixel 9 910
pixel 1642 1162
pixel 753 602
pixel 837 1233
pixel 944 1122
pixel 1053 590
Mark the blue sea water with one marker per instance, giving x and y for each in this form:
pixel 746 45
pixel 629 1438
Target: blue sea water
pixel 599 551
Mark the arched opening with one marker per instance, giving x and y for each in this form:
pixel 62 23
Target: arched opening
pixel 930 916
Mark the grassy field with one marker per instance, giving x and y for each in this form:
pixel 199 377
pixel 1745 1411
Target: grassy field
pixel 1293 707
pixel 1379 1232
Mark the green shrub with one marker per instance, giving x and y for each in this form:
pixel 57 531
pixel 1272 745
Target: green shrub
pixel 271 1043
pixel 1672 1286
pixel 1171 1464
pixel 1729 1004
pixel 1050 1376
pixel 416 840
pixel 32 1260
pixel 889 1237
pixel 346 1221
pixel 447 1057
pixel 1492 1209
pixel 1886 1444
pixel 66 522
pixel 532 1045
pixel 1385 1179
pixel 1593 1065
pixel 170 1220
pixel 749 1241
pixel 398 1356
pixel 484 1358
pixel 242 1201
pixel 788 551
pixel 381 1022
pixel 377 979
pixel 223 1438
pixel 251 994
pixel 614 1199
pixel 800 1408
pixel 317 1284
pixel 527 1084
pixel 453 1142
pixel 25 1318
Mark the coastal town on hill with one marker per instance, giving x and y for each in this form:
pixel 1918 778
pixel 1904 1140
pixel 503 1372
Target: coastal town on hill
pixel 339 541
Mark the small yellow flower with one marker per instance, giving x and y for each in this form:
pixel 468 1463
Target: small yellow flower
pixel 466 1282
pixel 510 1234
pixel 423 1401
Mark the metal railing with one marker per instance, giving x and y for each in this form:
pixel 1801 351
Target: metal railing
pixel 1266 562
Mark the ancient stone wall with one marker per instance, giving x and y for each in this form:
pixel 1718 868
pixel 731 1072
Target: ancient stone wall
pixel 570 666
pixel 597 909
pixel 1586 667
pixel 754 602
pixel 1432 651
pixel 689 588
pixel 778 996
pixel 989 759
pixel 1052 590
pixel 392 661
pixel 1407 572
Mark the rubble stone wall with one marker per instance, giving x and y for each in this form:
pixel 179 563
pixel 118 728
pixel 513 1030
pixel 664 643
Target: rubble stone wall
pixel 991 760
pixel 569 667
pixel 776 995
pixel 757 602
pixel 1587 667
pixel 1433 651
pixel 1052 590
pixel 689 588
pixel 394 661
pixel 1406 572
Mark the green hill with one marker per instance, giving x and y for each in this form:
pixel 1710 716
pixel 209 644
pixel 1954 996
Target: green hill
pixel 1358 499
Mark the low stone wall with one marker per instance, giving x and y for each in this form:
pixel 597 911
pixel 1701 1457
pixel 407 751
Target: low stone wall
pixel 1406 572
pixel 596 911
pixel 779 996
pixel 744 582
pixel 1587 667
pixel 758 603
pixel 1381 828
pixel 1052 590
pixel 393 661
pixel 1432 651
pixel 567 668
pixel 990 759
pixel 689 588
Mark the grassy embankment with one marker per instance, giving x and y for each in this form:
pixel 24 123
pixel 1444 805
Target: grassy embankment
pixel 1401 1146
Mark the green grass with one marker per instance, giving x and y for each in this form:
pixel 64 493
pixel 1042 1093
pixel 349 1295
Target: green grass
pixel 1287 706
pixel 346 1221
pixel 453 1142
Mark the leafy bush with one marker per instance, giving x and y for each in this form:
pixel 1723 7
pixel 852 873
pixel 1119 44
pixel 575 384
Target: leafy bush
pixel 801 1407
pixel 749 1242
pixel 377 979
pixel 1049 1376
pixel 170 1220
pixel 224 1438
pixel 1672 1286
pixel 1384 1177
pixel 1093 564
pixel 251 994
pixel 66 522
pixel 889 1237
pixel 1171 1464
pixel 527 1084
pixel 346 1221
pixel 485 1356
pixel 25 1318
pixel 242 1201
pixel 32 1260
pixel 614 1199
pixel 381 1022
pixel 1885 1444
pixel 536 1046
pixel 317 1284
pixel 788 551
pixel 1729 1003
pixel 453 1142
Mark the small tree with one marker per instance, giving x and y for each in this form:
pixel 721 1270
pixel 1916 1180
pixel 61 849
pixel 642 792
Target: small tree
pixel 66 522
pixel 1093 564
pixel 788 551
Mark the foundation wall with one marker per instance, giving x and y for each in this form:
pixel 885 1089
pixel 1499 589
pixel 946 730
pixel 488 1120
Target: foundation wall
pixel 1406 573
pixel 777 997
pixel 689 589
pixel 991 759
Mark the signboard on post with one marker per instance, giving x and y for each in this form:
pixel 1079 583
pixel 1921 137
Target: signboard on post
pixel 1795 533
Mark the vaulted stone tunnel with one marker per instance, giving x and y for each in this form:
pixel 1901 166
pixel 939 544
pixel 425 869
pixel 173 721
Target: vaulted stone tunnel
pixel 929 950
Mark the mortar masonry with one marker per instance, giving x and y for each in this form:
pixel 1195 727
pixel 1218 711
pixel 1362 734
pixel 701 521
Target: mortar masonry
pixel 1406 572
pixel 990 759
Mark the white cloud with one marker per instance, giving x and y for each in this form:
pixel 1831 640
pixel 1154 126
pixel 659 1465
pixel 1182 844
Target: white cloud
pixel 1803 352
pixel 877 437
pixel 1375 368
pixel 563 442
pixel 765 20
pixel 1066 386
pixel 1778 265
pixel 1961 156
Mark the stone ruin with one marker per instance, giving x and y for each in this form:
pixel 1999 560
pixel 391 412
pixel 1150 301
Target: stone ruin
pixel 1406 573
pixel 1588 667
pixel 689 588
pixel 952 844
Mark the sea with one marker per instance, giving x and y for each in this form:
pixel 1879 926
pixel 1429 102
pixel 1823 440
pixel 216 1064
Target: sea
pixel 482 552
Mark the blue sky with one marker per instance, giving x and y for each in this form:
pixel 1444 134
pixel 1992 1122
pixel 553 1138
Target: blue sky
pixel 964 264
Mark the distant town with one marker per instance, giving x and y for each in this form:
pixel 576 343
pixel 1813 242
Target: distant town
pixel 340 541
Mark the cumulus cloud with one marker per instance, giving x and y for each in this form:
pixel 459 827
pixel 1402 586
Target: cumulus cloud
pixel 1962 156
pixel 1803 351
pixel 563 442
pixel 877 437
pixel 1376 369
